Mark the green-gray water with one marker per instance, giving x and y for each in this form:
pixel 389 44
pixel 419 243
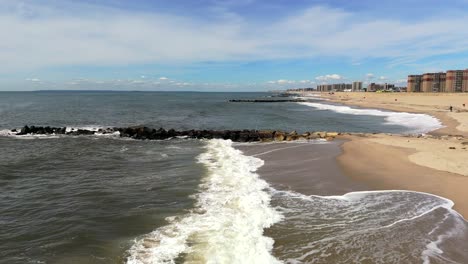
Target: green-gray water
pixel 102 199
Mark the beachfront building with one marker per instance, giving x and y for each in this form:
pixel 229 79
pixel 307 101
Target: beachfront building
pixel 457 81
pixel 414 83
pixel 451 82
pixel 336 87
pixel 433 82
pixel 357 86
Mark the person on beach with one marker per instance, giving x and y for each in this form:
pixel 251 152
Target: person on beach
pixel 451 108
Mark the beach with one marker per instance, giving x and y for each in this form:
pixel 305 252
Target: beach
pixel 427 103
pixel 103 187
pixel 340 187
pixel 437 163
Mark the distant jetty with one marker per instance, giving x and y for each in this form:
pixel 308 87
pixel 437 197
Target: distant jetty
pixel 146 133
pixel 267 101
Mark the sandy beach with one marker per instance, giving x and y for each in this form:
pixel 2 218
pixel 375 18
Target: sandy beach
pixel 437 105
pixel 436 164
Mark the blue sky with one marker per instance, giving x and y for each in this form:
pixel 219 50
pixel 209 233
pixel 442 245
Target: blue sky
pixel 225 45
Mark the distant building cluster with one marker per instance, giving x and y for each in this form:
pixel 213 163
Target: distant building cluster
pixel 452 81
pixel 301 90
pixel 357 86
pixel 334 87
pixel 374 87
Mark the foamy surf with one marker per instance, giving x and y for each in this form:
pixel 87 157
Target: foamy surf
pixel 357 227
pixel 416 123
pixel 13 133
pixel 226 226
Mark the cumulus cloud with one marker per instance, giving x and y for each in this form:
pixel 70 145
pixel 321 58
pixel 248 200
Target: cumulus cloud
pixel 282 82
pixel 163 78
pixel 329 77
pixel 401 82
pixel 370 76
pixel 33 80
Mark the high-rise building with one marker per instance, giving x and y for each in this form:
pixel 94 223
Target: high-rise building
pixel 414 83
pixel 455 81
pixel 357 86
pixel 451 82
pixel 427 81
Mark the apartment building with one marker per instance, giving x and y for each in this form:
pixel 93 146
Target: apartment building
pixel 357 86
pixel 334 87
pixel 451 82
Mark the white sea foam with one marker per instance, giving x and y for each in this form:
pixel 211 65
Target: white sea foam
pixel 416 123
pixel 352 219
pixel 232 210
pixel 10 133
pixel 7 132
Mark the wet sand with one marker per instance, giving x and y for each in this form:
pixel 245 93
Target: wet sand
pixel 437 166
pixel 307 168
pixel 343 166
pixel 386 167
pixel 354 164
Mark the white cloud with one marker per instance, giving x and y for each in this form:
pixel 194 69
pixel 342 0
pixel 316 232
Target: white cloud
pixel 41 36
pixel 329 77
pixel 282 82
pixel 163 78
pixel 369 76
pixel 382 78
pixel 33 80
pixel 401 82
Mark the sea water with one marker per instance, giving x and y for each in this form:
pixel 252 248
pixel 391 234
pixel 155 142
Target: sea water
pixel 102 199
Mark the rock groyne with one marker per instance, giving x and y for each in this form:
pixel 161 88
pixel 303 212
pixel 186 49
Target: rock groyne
pixel 267 101
pixel 146 133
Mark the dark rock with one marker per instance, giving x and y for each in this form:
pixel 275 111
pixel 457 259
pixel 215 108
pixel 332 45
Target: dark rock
pixel 266 134
pixel 25 130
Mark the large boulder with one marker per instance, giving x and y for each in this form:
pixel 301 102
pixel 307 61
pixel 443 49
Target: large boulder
pixel 25 130
pixel 332 134
pixel 279 136
pixel 266 135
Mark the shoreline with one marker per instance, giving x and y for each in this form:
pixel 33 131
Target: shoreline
pixel 393 169
pixel 437 106
pixel 432 164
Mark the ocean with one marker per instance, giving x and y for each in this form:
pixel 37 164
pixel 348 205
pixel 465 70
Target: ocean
pixel 105 199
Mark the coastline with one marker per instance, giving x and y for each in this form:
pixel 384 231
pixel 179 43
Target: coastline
pixel 387 167
pixel 436 105
pixel 433 164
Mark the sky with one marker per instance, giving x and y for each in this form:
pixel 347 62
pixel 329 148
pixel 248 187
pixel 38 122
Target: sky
pixel 225 45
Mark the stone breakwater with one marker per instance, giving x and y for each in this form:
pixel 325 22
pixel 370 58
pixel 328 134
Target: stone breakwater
pixel 267 101
pixel 146 133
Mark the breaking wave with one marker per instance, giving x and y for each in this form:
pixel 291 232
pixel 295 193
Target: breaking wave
pixel 226 226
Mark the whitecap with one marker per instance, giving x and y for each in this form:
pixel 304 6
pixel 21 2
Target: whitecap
pixel 226 226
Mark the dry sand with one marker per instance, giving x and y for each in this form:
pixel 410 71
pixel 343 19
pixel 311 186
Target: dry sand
pixel 391 162
pixel 433 165
pixel 437 105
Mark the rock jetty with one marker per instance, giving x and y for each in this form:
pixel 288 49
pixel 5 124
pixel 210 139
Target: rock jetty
pixel 267 101
pixel 146 133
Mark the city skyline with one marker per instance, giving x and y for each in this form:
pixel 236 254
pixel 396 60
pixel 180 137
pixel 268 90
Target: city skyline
pixel 209 45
